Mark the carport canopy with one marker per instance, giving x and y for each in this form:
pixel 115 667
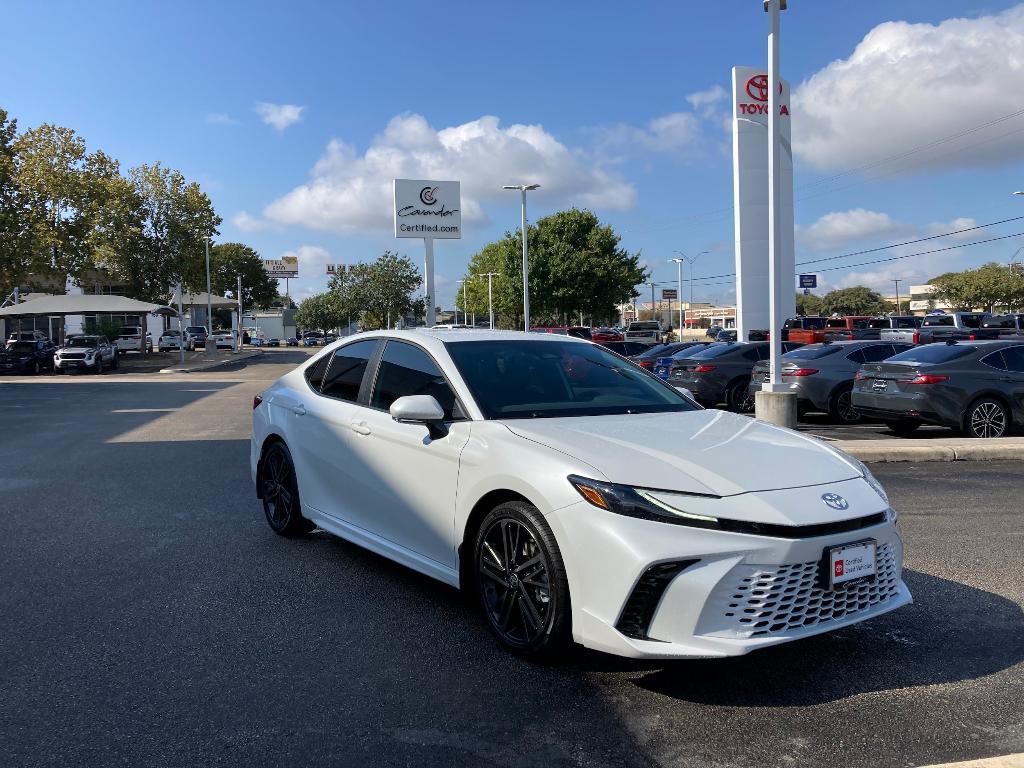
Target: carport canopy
pixel 82 304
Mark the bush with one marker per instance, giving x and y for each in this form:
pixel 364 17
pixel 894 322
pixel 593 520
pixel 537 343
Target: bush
pixel 105 326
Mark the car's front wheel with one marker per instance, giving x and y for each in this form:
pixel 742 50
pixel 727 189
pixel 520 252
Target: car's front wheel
pixel 520 581
pixel 986 418
pixel 280 493
pixel 840 407
pixel 739 399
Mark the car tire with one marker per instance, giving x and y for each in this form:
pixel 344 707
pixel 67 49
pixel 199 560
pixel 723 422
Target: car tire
pixel 116 362
pixel 519 579
pixel 280 492
pixel 904 427
pixel 986 417
pixel 840 406
pixel 36 368
pixel 738 397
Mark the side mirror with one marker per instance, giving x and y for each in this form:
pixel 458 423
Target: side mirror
pixel 420 409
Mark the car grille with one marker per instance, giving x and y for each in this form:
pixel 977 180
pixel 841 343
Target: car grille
pixel 72 356
pixel 759 602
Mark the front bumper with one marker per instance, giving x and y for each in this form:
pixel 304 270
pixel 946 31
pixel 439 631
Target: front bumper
pixel 744 592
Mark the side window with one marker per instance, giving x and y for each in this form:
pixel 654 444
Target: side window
pixel 877 353
pixel 1014 357
pixel 995 360
pixel 408 370
pixel 315 373
pixel 345 373
pixel 857 356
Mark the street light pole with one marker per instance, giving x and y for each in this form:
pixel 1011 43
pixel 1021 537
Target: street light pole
pixel 524 188
pixel 897 296
pixel 490 294
pixel 679 292
pixel 211 345
pixel 690 261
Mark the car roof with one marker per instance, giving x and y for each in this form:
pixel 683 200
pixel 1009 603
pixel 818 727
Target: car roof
pixel 437 339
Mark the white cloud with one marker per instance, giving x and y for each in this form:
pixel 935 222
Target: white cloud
pixel 249 223
pixel 220 118
pixel 280 116
pixel 906 85
pixel 957 224
pixel 708 102
pixel 840 229
pixel 351 192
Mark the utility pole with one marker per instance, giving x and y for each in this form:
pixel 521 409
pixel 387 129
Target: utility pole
pixel 897 296
pixel 524 188
pixel 181 330
pixel 490 294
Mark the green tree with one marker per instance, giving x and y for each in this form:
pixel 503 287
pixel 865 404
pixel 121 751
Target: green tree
pixel 320 312
pixel 576 265
pixel 808 304
pixel 380 291
pixel 991 286
pixel 60 188
pixel 228 261
pixel 15 259
pixel 857 300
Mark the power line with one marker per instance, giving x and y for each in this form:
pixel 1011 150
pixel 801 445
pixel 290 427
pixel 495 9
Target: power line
pixel 910 242
pixel 923 253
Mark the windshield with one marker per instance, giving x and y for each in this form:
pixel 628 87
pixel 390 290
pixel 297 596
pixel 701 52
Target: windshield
pixel 81 341
pixel 547 379
pixel 814 352
pixel 930 354
pixel 645 326
pixel 195 329
pixel 21 346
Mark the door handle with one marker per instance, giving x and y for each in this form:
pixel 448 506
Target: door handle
pixel 299 410
pixel 359 427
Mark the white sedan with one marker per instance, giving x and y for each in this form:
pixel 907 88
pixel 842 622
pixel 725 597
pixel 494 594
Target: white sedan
pixel 577 497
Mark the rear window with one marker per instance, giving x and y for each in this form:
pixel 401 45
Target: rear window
pixel 938 321
pixel 998 322
pixel 972 321
pixel 131 330
pixel 812 352
pixel 932 354
pixel 644 327
pixel 716 350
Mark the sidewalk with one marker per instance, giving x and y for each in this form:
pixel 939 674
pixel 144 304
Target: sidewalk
pixel 934 449
pixel 199 361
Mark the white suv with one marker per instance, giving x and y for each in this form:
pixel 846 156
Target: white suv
pixel 133 338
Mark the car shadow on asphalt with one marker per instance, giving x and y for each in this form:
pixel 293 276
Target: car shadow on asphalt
pixel 952 632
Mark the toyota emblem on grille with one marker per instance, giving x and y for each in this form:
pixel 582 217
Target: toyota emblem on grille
pixel 835 501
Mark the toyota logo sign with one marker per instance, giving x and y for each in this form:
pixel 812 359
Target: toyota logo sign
pixel 757 87
pixel 835 501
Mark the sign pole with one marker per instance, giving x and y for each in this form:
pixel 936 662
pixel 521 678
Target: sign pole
pixel 428 279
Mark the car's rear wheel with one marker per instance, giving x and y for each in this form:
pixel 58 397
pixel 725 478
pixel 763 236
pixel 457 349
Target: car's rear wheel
pixel 280 493
pixel 986 418
pixel 739 399
pixel 36 368
pixel 520 581
pixel 840 406
pixel 116 362
pixel 904 427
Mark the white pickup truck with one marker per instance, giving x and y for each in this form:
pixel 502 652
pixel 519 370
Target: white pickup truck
pixel 647 332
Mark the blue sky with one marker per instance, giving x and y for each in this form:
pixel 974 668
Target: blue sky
pixel 617 107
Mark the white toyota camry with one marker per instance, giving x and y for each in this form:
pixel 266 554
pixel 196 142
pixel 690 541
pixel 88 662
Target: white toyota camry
pixel 577 497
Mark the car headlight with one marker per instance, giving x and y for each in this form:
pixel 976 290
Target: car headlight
pixel 642 503
pixel 870 479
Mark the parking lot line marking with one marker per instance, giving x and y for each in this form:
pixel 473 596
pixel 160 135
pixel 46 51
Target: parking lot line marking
pixel 1004 761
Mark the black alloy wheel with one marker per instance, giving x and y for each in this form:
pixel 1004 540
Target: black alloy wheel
pixel 739 398
pixel 840 406
pixel 281 493
pixel 986 418
pixel 521 581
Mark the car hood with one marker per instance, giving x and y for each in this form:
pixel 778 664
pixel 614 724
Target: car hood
pixel 707 451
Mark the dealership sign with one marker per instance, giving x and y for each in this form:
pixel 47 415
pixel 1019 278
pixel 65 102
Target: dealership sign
pixel 751 97
pixel 428 209
pixel 808 281
pixel 286 266
pixel 669 294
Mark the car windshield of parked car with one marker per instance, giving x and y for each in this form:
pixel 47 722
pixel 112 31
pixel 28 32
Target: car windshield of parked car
pixel 81 341
pixel 932 354
pixel 812 352
pixel 716 350
pixel 548 379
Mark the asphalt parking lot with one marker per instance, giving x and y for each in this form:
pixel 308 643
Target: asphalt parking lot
pixel 150 618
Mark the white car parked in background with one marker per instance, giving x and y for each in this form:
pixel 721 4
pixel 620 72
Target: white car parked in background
pixel 574 495
pixel 134 338
pixel 169 339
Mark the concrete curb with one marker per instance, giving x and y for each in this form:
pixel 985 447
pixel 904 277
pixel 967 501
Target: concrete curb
pixel 214 363
pixel 939 449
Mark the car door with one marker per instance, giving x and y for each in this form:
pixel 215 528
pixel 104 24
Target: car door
pixel 1013 381
pixel 405 490
pixel 318 417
